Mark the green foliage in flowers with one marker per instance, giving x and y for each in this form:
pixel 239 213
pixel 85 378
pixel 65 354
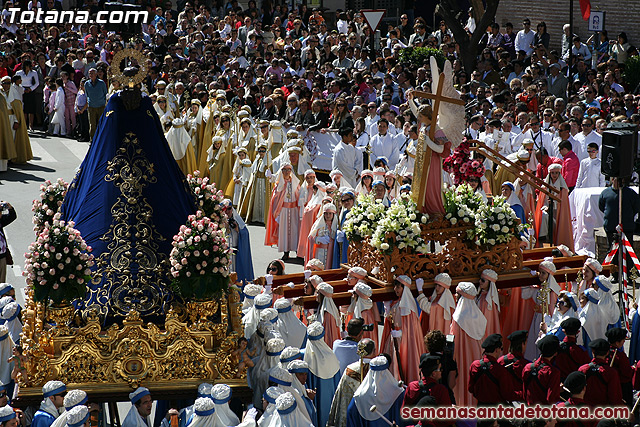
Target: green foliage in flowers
pixel 460 205
pixel 496 223
pixel 58 265
pixel 363 218
pixel 200 259
pixel 400 227
pixel 419 56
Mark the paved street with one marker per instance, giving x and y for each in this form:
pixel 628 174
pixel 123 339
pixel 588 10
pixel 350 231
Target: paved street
pixel 59 158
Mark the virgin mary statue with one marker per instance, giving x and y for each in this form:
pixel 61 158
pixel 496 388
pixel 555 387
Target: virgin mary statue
pixel 128 199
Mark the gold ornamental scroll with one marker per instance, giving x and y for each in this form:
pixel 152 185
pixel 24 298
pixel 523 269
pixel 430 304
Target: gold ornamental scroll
pixel 423 160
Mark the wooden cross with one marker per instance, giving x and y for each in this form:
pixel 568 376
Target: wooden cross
pixel 437 98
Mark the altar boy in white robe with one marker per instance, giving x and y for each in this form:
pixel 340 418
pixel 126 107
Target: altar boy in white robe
pixel 347 158
pixel 383 145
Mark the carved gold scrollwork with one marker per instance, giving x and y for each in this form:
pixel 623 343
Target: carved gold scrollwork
pixel 134 353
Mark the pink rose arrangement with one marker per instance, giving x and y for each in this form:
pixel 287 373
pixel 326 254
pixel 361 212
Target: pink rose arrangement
pixel 51 197
pixel 58 264
pixel 200 258
pixel 208 198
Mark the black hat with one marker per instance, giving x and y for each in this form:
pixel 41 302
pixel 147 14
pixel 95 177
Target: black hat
pixel 571 325
pixel 616 334
pixel 599 347
pixel 493 342
pixel 548 345
pixel 518 337
pixel 428 364
pixel 575 382
pixel 496 123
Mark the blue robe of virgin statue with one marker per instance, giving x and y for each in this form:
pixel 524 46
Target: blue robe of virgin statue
pixel 128 199
pixel 340 249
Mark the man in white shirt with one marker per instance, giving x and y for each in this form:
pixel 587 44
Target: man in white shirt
pixel 384 145
pixel 534 132
pixel 525 38
pixel 475 123
pixel 579 49
pixel 347 158
pixel 590 174
pixel 372 116
pixel 586 137
pixel 564 134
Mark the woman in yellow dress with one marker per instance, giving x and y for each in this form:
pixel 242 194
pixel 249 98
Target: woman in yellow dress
pixel 248 137
pixel 224 157
pixel 254 207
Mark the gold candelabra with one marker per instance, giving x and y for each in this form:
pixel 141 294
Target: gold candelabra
pixel 543 297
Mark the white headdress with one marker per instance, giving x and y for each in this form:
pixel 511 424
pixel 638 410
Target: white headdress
pixel 321 360
pixel 291 328
pixel 327 304
pixel 467 313
pixel 378 388
pixel 221 394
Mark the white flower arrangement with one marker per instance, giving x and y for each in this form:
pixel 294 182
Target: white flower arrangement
pixel 362 220
pixel 460 205
pixel 400 227
pixel 497 223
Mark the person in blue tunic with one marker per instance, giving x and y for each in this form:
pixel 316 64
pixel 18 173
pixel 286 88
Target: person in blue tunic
pixel 53 392
pixel 378 388
pixel 341 244
pixel 238 234
pixel 8 417
pixel 299 370
pixel 508 191
pixel 128 199
pixel 324 371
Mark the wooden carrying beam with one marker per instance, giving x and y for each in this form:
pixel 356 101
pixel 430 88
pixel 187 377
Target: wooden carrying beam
pixel 514 279
pixel 525 175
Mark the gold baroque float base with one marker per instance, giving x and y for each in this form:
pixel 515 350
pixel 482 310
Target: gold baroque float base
pixel 133 354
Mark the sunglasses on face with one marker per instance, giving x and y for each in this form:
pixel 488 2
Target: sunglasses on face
pixel 262 151
pixel 272 269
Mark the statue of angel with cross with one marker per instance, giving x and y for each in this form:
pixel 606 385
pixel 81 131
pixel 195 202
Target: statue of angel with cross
pixel 442 125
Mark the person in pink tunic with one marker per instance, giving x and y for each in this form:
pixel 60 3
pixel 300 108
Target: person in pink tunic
pixel 517 314
pixel 488 302
pixel 401 325
pixel 309 215
pixel 328 314
pixel 323 234
pixel 437 311
pixel 362 307
pixel 468 328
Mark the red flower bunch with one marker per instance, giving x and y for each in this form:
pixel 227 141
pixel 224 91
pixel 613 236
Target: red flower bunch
pixel 461 165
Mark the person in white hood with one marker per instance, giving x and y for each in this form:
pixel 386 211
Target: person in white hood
pixel 53 392
pixel 141 404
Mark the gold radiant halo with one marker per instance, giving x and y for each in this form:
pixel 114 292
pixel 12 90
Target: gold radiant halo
pixel 119 76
